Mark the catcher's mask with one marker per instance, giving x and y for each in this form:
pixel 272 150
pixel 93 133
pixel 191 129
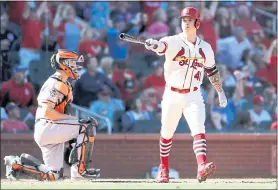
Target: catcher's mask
pixel 67 61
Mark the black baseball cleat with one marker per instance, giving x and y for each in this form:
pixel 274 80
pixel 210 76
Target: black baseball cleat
pixel 91 173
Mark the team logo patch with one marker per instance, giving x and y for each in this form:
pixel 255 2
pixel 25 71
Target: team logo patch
pixel 53 93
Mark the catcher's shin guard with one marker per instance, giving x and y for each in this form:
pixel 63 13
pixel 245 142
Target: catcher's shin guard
pixel 29 165
pixel 83 157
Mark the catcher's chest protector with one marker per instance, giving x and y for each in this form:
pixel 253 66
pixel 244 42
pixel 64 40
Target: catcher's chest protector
pixel 66 90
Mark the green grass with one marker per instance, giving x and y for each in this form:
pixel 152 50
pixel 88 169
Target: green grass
pixel 142 184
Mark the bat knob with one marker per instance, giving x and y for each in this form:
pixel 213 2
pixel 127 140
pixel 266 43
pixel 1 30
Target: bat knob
pixel 121 36
pixel 155 46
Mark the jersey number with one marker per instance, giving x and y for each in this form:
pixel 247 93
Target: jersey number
pixel 197 76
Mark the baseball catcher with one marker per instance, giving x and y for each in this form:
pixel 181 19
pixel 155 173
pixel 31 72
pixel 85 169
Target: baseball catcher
pixel 53 127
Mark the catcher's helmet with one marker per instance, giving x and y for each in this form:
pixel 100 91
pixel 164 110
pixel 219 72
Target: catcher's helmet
pixel 68 62
pixel 191 12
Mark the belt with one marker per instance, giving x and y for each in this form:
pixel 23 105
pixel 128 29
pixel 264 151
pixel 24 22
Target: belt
pixel 183 91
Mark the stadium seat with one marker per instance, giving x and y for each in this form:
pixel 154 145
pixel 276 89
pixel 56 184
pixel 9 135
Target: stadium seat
pixel 41 70
pixel 182 127
pixel 13 57
pixel 147 126
pixel 117 121
pixel 23 113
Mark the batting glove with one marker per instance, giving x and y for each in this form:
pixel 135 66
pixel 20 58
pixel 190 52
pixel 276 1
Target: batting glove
pixel 154 45
pixel 222 99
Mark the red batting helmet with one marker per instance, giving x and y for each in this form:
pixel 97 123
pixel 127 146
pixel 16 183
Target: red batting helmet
pixel 191 12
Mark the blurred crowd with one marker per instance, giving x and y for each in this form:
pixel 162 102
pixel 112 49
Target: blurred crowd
pixel 123 81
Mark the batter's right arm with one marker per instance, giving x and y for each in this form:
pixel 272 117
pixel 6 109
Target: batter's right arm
pixel 159 47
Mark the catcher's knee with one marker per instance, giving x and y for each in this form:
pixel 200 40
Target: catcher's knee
pixel 37 174
pixel 31 166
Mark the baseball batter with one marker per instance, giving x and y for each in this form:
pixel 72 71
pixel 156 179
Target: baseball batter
pixel 187 59
pixel 54 127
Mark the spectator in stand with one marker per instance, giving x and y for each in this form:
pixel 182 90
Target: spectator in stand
pixel 13 124
pixel 4 115
pixel 149 8
pixel 156 80
pixel 106 105
pixel 174 26
pixel 69 27
pixel 224 23
pixel 257 43
pixel 49 40
pixel 90 44
pixel 228 78
pixel 82 9
pixel 150 99
pixel 134 114
pixel 206 30
pixel 273 126
pixel 91 83
pixel 106 66
pixel 258 113
pixel 118 49
pixel 18 90
pixel 7 39
pixel 245 21
pixel 99 15
pixel 269 73
pixel 16 9
pixel 270 100
pixel 32 28
pixel 230 49
pixel 223 118
pixel 125 80
pixel 125 9
pixel 246 62
pixel 158 28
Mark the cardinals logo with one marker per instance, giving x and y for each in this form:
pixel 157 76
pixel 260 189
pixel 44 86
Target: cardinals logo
pixel 180 56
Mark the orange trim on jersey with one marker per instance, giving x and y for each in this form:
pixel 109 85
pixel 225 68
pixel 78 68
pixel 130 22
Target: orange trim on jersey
pixel 48 101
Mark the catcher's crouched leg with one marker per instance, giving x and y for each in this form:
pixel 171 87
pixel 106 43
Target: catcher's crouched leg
pixel 31 166
pixel 81 154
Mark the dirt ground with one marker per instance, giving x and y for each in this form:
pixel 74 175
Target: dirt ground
pixel 142 184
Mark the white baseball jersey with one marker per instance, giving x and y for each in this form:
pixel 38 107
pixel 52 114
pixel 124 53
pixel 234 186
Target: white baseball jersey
pixel 185 62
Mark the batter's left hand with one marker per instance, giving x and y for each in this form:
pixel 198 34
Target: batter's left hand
pixel 222 99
